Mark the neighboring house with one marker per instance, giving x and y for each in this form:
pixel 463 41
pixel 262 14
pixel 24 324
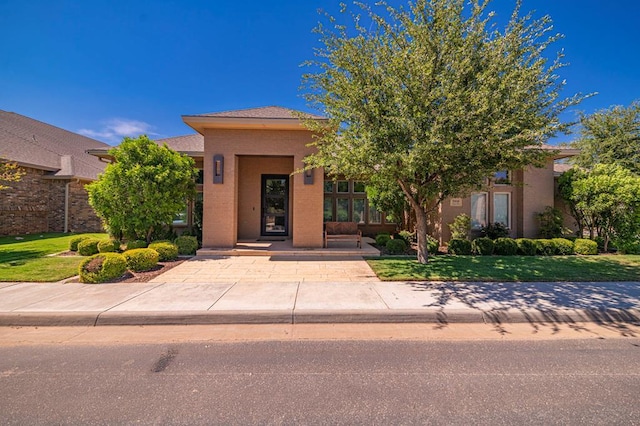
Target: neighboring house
pixel 50 197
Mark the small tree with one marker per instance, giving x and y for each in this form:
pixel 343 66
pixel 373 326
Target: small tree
pixel 9 172
pixel 551 223
pixel 143 189
pixel 461 227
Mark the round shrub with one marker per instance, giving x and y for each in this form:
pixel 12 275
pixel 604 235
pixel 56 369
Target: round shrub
pixel 73 242
pixel 382 239
pixel 505 247
pixel 88 247
pixel 166 251
pixel 141 259
pixel 563 246
pixel 136 244
pixel 108 246
pixel 526 247
pixel 102 267
pixel 483 246
pixel 545 247
pixel 186 244
pixel 585 247
pixel 432 245
pixel 459 246
pixel 396 246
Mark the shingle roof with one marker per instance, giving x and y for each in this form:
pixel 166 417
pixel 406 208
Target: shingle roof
pixel 188 143
pixel 33 143
pixel 274 112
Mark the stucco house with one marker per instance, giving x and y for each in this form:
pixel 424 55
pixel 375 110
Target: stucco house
pixel 50 197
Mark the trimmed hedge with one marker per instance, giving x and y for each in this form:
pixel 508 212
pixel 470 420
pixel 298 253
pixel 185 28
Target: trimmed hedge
pixel 396 246
pixel 141 259
pixel 108 246
pixel 483 246
pixel 527 247
pixel 186 244
pixel 102 267
pixel 545 247
pixel 136 244
pixel 382 239
pixel 505 247
pixel 166 251
pixel 88 247
pixel 563 247
pixel 73 242
pixel 459 247
pixel 585 247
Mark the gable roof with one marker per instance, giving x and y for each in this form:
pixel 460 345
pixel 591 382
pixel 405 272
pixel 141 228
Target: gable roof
pixel 192 145
pixel 32 143
pixel 267 112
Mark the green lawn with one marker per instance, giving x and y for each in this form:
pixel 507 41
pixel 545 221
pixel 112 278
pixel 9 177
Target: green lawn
pixel 509 268
pixel 26 259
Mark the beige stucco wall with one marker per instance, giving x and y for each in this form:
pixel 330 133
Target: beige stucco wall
pixel 537 193
pixel 223 202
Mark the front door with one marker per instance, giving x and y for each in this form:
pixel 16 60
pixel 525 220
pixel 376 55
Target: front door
pixel 275 205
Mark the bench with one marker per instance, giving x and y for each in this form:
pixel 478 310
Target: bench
pixel 342 231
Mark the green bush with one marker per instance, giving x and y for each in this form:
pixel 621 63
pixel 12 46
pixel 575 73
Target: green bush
pixel 396 246
pixel 483 246
pixel 432 245
pixel 461 227
pixel 586 247
pixel 545 247
pixel 108 246
pixel 505 247
pixel 526 247
pixel 407 236
pixel 382 239
pixel 102 267
pixel 495 230
pixel 73 242
pixel 166 251
pixel 141 259
pixel 88 247
pixel 551 223
pixel 186 244
pixel 563 246
pixel 631 247
pixel 136 244
pixel 459 246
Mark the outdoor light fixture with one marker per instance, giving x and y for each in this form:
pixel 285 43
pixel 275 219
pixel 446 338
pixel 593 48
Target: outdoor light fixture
pixel 218 168
pixel 308 176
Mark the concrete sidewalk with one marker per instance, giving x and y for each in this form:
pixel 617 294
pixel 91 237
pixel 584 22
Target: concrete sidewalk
pixel 269 301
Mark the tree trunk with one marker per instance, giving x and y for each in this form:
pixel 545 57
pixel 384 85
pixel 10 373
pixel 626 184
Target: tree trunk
pixel 421 233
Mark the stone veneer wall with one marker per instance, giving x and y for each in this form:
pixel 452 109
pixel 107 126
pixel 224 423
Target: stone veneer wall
pixel 36 204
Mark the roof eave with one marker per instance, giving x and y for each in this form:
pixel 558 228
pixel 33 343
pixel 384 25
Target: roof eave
pixel 200 123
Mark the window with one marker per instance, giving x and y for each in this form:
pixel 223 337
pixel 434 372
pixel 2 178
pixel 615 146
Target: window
pixel 358 210
pixel 328 209
pixel 342 209
pixel 181 218
pixel 478 210
pixel 501 177
pixel 343 186
pixel 502 208
pixel 200 178
pixel 328 186
pixel 375 217
pixel 358 187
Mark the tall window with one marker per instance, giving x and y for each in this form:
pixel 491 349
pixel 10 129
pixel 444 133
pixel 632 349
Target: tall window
pixel 478 210
pixel 502 208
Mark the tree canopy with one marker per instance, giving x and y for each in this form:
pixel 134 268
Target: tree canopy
pixel 432 99
pixel 143 189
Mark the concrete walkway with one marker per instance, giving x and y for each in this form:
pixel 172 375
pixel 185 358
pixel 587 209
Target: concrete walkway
pixel 248 290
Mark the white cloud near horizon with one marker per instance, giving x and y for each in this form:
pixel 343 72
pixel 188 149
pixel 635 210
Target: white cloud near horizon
pixel 117 128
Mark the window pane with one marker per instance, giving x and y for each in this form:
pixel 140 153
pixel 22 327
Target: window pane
pixel 501 177
pixel 358 187
pixel 342 209
pixel 501 209
pixel 200 178
pixel 180 218
pixel 328 186
pixel 343 186
pixel 374 215
pixel 478 210
pixel 358 210
pixel 328 209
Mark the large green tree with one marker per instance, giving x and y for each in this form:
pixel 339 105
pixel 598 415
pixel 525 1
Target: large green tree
pixel 433 98
pixel 143 189
pixel 610 136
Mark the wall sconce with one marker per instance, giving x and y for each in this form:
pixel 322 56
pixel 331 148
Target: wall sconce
pixel 218 168
pixel 308 176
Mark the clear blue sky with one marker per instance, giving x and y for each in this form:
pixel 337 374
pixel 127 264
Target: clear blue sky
pixel 110 67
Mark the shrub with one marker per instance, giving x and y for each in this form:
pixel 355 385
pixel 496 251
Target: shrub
pixel 563 246
pixel 631 247
pixel 461 227
pixel 527 247
pixel 551 222
pixel 407 236
pixel 88 247
pixel 483 246
pixel 396 246
pixel 586 247
pixel 505 247
pixel 102 267
pixel 495 230
pixel 459 246
pixel 73 242
pixel 136 244
pixel 545 247
pixel 141 259
pixel 382 239
pixel 108 246
pixel 186 244
pixel 166 251
pixel 432 244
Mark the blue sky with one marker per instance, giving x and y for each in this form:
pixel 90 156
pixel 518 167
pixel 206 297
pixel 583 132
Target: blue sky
pixel 109 68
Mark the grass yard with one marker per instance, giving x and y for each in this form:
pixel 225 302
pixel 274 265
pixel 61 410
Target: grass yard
pixel 26 259
pixel 509 268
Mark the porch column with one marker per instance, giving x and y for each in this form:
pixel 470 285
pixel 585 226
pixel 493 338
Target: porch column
pixel 307 208
pixel 220 211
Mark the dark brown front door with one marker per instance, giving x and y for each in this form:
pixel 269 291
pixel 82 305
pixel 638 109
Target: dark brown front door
pixel 275 205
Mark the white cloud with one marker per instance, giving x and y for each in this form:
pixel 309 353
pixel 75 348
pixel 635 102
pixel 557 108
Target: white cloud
pixel 117 128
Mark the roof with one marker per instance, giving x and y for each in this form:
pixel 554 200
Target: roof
pixel 187 144
pixel 32 143
pixel 560 152
pixel 269 117
pixel 560 168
